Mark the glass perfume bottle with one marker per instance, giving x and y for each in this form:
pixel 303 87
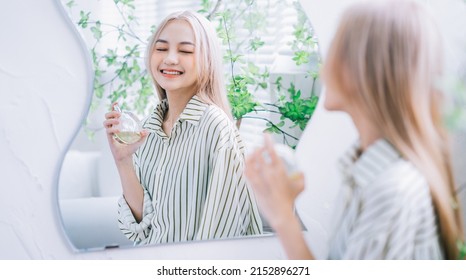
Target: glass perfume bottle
pixel 129 127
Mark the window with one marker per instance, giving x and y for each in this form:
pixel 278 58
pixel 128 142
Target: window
pixel 261 33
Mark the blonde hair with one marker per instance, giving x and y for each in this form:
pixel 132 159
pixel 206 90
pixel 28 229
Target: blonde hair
pixel 210 83
pixel 390 54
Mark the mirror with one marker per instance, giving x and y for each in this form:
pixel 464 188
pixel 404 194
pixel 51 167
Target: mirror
pixel 271 61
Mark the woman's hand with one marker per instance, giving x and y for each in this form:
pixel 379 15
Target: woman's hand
pixel 122 153
pixel 276 192
pixel 275 189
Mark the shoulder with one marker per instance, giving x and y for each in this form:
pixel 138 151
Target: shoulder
pixel 216 120
pixel 402 199
pixel 215 114
pixel 401 184
pixel 402 174
pixel 221 130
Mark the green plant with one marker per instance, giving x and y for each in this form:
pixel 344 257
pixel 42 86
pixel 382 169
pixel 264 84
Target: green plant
pixel 119 74
pixel 462 249
pixel 456 105
pixel 246 78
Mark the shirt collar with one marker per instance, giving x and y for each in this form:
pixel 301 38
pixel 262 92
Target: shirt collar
pixel 362 170
pixel 192 113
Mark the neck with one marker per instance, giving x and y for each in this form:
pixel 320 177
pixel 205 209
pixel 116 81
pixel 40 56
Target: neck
pixel 368 130
pixel 176 104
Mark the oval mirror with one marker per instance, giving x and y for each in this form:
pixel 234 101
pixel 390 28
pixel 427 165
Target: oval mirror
pixel 271 61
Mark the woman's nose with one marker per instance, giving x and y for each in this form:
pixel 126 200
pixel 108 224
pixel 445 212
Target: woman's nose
pixel 171 58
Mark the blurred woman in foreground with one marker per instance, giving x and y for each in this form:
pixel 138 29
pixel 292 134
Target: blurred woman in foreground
pixel 398 199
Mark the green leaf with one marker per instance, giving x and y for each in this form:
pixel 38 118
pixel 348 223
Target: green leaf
pixel 110 57
pixel 97 33
pixel 263 85
pixel 278 83
pixel 83 21
pixel 127 3
pixel 272 129
pixel 301 57
pixel 99 91
pixel 295 108
pixel 206 5
pixel 241 100
pixel 462 249
pixel 70 4
pixel 255 43
pixel 98 72
pixel 254 69
pixel 292 89
pixel 90 134
pixel 121 33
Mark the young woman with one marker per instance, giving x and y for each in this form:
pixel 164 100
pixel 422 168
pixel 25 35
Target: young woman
pixel 398 198
pixel 183 180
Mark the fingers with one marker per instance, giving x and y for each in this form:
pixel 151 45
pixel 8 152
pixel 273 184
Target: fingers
pixel 253 170
pixel 112 115
pixel 262 158
pixel 111 120
pixel 113 105
pixel 111 127
pixel 112 130
pixel 144 133
pixel 297 183
pixel 143 137
pixel 268 145
pixel 271 154
pixel 252 167
pixel 110 138
pixel 265 171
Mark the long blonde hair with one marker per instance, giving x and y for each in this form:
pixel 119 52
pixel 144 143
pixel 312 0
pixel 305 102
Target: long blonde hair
pixel 390 52
pixel 210 83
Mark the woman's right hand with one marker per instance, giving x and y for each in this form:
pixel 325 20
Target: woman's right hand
pixel 275 189
pixel 121 152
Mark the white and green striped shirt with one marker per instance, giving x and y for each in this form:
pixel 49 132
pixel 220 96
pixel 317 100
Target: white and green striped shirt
pixel 194 188
pixel 387 210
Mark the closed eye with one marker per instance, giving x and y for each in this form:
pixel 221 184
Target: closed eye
pixel 161 49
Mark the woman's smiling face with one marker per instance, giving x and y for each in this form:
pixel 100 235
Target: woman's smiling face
pixel 173 59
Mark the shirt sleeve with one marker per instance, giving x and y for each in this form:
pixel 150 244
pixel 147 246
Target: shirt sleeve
pixel 230 208
pixel 134 231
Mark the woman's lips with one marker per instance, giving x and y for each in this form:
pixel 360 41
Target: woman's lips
pixel 170 73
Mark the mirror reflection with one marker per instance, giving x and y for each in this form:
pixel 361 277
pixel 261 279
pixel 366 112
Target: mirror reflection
pixel 201 111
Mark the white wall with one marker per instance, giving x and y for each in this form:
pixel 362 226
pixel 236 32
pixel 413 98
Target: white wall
pixel 45 86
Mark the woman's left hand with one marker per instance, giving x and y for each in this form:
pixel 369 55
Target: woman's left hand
pixel 274 188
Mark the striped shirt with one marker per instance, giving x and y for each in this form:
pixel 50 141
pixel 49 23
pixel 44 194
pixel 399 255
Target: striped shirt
pixel 193 182
pixel 387 208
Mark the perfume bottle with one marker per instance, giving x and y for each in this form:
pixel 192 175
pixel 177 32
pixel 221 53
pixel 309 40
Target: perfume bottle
pixel 129 127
